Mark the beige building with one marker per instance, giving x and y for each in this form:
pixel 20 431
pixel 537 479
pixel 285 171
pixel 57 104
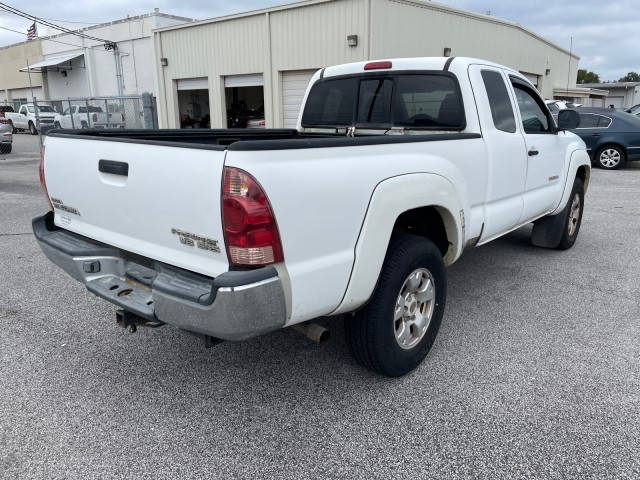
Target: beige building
pixel 211 69
pixel 14 84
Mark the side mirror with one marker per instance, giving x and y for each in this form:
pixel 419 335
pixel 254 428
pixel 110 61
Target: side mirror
pixel 568 119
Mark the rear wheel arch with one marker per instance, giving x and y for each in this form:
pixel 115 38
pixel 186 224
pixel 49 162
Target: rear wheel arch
pixel 426 222
pixel 423 205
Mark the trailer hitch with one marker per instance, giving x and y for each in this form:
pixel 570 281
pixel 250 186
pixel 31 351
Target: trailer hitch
pixel 131 321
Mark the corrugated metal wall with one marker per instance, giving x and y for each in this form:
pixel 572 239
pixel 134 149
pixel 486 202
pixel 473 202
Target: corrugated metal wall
pixel 308 37
pixel 407 28
pixel 314 35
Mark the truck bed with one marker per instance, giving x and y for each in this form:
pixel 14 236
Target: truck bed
pixel 258 139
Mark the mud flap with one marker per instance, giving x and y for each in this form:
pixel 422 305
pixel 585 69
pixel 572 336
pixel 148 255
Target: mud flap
pixel 547 231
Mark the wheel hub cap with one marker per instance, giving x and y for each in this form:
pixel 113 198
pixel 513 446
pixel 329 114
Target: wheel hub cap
pixel 414 308
pixel 574 215
pixel 610 158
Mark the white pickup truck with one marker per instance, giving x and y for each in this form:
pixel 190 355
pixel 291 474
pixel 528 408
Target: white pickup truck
pixel 26 118
pixel 396 167
pixel 87 116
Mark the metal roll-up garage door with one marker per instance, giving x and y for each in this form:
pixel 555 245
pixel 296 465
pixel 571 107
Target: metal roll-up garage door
pixel 254 80
pixel 193 83
pixel 532 78
pixel 294 86
pixel 617 102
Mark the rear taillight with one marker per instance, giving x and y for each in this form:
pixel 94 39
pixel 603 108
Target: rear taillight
pixel 43 182
pixel 250 229
pixel 94 117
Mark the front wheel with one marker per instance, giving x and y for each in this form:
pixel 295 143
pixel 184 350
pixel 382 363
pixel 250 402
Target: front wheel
pixel 57 125
pixel 32 129
pixel 610 157
pixel 573 216
pixel 394 332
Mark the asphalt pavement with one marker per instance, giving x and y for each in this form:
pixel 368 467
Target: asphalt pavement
pixel 535 372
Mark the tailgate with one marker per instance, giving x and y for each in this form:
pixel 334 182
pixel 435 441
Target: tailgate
pixel 156 200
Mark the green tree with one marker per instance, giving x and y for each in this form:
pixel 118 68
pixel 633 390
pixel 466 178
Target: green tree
pixel 630 77
pixel 587 77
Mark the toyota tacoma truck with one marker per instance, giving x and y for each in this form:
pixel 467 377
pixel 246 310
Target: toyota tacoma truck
pixel 395 168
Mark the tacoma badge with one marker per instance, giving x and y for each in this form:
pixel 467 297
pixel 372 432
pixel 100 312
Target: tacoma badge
pixel 191 239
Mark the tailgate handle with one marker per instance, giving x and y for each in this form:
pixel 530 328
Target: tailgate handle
pixel 113 167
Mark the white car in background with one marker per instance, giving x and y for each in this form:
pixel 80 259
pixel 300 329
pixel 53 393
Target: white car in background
pixel 555 106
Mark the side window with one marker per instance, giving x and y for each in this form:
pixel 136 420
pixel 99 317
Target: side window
pixel 591 120
pixel 67 111
pixel 604 122
pixel 588 120
pixel 534 118
pixel 501 109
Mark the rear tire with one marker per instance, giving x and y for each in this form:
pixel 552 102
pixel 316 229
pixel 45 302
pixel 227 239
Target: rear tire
pixel 394 332
pixel 610 157
pixel 574 216
pixel 5 148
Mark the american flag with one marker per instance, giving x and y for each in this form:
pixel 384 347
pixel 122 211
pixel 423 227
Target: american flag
pixel 32 32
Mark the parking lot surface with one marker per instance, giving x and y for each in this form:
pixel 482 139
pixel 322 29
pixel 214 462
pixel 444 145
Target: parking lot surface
pixel 535 372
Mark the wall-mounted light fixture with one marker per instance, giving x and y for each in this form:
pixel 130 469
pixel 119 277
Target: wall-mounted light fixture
pixel 164 62
pixel 446 52
pixel 63 73
pixel 547 71
pixel 352 40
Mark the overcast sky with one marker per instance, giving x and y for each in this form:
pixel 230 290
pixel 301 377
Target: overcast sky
pixel 606 35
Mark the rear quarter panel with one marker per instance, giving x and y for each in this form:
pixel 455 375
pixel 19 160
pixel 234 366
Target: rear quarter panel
pixel 320 197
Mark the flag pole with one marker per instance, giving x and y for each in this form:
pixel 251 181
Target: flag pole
pixel 30 84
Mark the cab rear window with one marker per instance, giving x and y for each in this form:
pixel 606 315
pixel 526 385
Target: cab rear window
pixel 412 101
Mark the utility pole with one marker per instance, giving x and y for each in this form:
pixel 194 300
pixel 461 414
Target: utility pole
pixel 569 72
pixel 114 46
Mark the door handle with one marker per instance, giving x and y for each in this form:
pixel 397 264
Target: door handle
pixel 595 134
pixel 533 152
pixel 113 167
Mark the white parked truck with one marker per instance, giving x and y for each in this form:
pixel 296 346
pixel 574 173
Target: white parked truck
pixel 396 167
pixel 26 118
pixel 88 116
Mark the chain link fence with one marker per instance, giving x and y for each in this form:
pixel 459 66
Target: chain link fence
pixel 130 112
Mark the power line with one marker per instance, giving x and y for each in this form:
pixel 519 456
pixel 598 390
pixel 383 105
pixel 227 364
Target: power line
pixel 44 39
pixel 22 14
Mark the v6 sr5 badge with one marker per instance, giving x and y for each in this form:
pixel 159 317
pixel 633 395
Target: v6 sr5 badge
pixel 192 240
